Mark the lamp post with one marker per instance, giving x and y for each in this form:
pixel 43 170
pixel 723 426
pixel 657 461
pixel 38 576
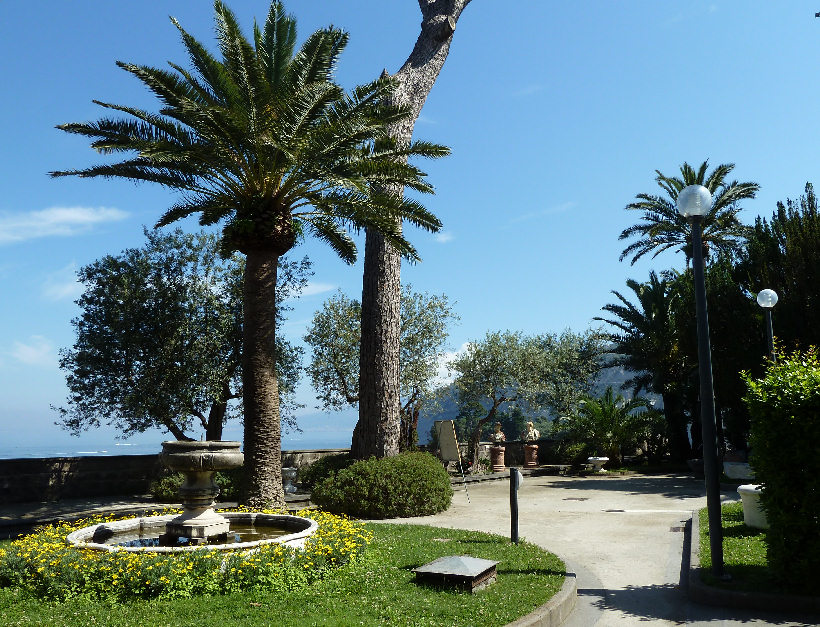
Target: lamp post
pixel 694 203
pixel 767 299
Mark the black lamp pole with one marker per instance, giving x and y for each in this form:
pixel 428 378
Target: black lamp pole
pixel 707 404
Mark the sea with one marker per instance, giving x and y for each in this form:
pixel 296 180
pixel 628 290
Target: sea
pixel 101 448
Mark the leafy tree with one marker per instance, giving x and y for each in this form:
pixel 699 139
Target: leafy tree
pixel 265 143
pixel 647 343
pixel 159 340
pixel 377 431
pixel 508 370
pixel 783 254
pixel 661 226
pixel 334 338
pixel 610 424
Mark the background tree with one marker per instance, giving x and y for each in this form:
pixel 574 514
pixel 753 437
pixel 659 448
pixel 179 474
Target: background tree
pixel 334 338
pixel 159 340
pixel 377 430
pixel 499 370
pixel 661 226
pixel 264 142
pixel 783 254
pixel 647 344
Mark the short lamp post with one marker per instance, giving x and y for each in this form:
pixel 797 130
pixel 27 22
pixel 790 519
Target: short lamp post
pixel 767 299
pixel 694 203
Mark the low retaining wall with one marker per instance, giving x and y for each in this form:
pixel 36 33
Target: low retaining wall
pixel 55 478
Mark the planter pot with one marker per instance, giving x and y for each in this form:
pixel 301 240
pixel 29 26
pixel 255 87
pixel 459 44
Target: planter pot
pixel 598 463
pixel 530 456
pixel 497 458
pixel 753 513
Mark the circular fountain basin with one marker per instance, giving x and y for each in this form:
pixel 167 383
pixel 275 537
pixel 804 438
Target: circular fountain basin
pixel 141 535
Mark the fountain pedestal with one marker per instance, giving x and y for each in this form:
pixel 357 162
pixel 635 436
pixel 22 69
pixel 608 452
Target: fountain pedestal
pixel 199 461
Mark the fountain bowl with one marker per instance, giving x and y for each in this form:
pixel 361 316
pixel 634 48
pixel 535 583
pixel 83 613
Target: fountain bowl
pixel 97 537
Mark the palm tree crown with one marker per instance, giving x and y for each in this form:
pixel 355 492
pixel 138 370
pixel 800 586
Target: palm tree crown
pixel 662 227
pixel 265 142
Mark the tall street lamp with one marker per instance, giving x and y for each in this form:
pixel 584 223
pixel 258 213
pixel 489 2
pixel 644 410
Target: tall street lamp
pixel 694 203
pixel 768 299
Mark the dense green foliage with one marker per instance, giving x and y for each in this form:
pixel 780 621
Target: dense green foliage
pixel 159 339
pixel 785 410
pixel 43 564
pixel 322 468
pixel 783 254
pixel 377 588
pixel 334 337
pixel 610 425
pixel 409 484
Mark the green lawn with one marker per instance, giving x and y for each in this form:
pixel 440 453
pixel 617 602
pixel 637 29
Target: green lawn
pixel 378 589
pixel 744 553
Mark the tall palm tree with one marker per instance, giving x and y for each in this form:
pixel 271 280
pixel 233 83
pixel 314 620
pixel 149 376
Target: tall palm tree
pixel 264 142
pixel 647 344
pixel 661 226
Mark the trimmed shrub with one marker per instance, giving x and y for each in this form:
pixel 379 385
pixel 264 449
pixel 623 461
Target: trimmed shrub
pixel 323 468
pixel 409 484
pixel 785 430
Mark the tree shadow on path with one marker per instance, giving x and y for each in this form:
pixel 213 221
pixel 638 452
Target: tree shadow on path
pixel 673 486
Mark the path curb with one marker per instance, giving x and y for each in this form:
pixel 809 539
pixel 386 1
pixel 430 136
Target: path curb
pixel 556 610
pixel 700 592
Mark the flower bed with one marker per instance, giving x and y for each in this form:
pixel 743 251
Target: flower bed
pixel 45 565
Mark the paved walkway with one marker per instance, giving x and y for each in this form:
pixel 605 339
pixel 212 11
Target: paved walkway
pixel 622 536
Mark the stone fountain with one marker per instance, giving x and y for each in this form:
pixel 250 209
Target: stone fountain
pixel 199 524
pixel 199 462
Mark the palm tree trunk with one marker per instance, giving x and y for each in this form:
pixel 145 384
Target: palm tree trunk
pixel 377 431
pixel 263 445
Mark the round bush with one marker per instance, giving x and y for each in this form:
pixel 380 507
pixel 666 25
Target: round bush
pixel 409 484
pixel 323 468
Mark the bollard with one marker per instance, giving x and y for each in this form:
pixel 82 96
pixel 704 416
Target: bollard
pixel 515 483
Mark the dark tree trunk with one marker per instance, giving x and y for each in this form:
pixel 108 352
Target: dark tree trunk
pixel 216 418
pixel 175 431
pixel 263 446
pixel 377 431
pixel 679 448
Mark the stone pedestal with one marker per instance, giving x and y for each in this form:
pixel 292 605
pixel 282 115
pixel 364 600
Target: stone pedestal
pixel 497 458
pixel 199 461
pixel 530 456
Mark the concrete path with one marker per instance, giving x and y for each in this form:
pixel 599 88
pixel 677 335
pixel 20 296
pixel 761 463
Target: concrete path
pixel 622 536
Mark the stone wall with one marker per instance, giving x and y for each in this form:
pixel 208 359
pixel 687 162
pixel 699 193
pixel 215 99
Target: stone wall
pixel 55 478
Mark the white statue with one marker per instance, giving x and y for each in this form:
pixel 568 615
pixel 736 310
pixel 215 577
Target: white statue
pixel 530 434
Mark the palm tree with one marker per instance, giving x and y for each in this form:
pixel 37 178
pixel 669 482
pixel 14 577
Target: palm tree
pixel 610 423
pixel 264 143
pixel 662 227
pixel 647 343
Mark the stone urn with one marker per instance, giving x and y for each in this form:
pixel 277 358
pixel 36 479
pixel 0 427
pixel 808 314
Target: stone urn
pixel 497 457
pixel 199 461
pixel 530 455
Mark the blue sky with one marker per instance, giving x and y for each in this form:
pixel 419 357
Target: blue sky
pixel 557 113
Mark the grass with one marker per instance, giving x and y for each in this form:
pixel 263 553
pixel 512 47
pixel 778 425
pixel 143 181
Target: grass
pixel 377 588
pixel 744 553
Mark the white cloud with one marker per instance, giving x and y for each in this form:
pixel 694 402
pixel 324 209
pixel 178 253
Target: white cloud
pixel 317 288
pixel 443 237
pixel 62 284
pixel 423 119
pixel 528 90
pixel 444 376
pixel 38 352
pixel 548 211
pixel 55 221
